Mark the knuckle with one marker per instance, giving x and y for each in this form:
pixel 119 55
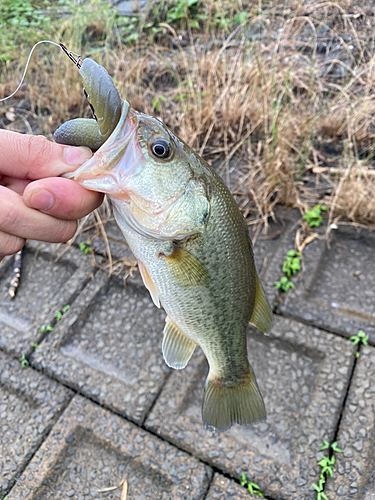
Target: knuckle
pixel 38 148
pixel 9 214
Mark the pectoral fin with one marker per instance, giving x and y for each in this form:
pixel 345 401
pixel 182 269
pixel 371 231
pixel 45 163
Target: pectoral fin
pixel 185 268
pixel 177 348
pixel 261 315
pixel 149 284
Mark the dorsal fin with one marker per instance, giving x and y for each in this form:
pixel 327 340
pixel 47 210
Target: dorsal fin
pixel 177 348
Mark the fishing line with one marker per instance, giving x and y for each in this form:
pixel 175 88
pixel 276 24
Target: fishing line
pixel 70 54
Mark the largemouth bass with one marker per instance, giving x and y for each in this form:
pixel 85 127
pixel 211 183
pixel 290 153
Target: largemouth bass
pixel 193 249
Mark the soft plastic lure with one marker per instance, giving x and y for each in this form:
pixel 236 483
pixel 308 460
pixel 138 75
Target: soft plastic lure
pixel 105 102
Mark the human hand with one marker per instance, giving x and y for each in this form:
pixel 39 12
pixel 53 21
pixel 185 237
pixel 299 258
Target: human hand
pixel 34 202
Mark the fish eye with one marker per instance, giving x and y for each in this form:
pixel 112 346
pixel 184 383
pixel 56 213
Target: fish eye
pixel 160 148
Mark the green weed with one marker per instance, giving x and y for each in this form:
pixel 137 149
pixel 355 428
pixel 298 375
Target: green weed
pixel 85 247
pixel 23 361
pixel 291 265
pixel 284 284
pixel 327 467
pixel 156 102
pixel 47 328
pixel 313 217
pixel 360 338
pixel 58 315
pixel 253 488
pixel 35 346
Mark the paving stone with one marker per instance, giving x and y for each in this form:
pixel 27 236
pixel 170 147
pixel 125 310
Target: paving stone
pixel 90 449
pixel 225 489
pixel 108 347
pixel 354 475
pixel 336 291
pixel 46 287
pixel 270 250
pixel 302 373
pixel 30 404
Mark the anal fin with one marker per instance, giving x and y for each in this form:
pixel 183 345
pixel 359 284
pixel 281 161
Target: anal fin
pixel 177 348
pixel 261 315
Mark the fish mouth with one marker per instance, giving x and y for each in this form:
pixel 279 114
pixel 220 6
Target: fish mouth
pixel 106 170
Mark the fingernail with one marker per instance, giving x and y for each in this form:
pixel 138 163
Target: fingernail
pixel 40 199
pixel 76 155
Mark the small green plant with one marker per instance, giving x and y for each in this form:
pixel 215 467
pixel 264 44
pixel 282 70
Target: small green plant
pixel 313 217
pixel 23 361
pixel 47 328
pixel 156 102
pixel 184 11
pixel 327 466
pixel 360 338
pixel 284 284
pixel 35 346
pixel 251 487
pixel 291 265
pixel 59 314
pixel 85 247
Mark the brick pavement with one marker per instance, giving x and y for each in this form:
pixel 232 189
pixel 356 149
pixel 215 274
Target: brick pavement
pixel 97 403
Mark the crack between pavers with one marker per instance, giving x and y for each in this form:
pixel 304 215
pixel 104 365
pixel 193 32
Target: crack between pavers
pixel 148 412
pixel 312 325
pixel 343 405
pixel 71 299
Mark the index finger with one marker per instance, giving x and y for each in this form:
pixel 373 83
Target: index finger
pixel 33 157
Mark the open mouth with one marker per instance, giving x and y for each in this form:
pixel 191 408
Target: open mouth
pixel 107 168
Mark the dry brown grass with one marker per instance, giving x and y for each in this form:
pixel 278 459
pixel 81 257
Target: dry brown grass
pixel 288 97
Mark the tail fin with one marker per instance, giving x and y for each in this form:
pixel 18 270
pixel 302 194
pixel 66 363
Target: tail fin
pixel 226 403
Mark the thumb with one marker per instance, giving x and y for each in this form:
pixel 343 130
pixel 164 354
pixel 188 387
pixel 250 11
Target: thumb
pixel 33 157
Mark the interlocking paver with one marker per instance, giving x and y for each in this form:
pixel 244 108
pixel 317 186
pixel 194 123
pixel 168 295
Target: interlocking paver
pixel 225 489
pixel 302 373
pixel 46 286
pixel 108 347
pixel 30 404
pixel 354 476
pixel 90 449
pixel 336 291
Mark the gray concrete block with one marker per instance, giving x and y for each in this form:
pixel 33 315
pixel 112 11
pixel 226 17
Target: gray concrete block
pixel 270 250
pixel 46 287
pixel 302 373
pixel 90 449
pixel 354 476
pixel 336 291
pixel 30 404
pixel 224 489
pixel 108 347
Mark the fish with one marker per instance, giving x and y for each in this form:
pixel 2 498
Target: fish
pixel 193 249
